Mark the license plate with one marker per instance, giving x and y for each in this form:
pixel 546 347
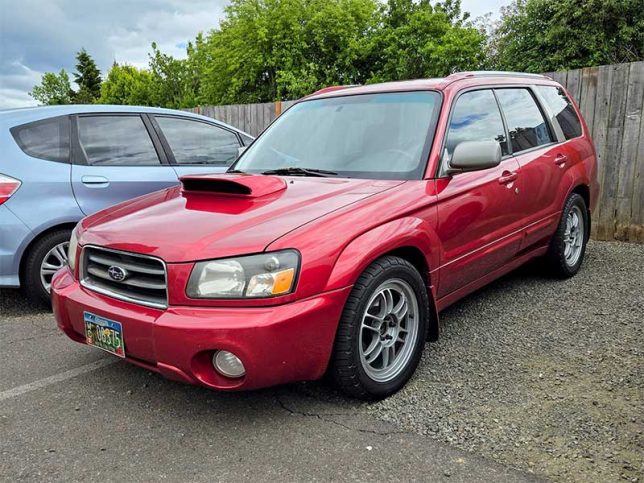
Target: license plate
pixel 104 333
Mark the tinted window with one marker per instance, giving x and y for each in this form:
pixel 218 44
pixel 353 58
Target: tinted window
pixel 47 139
pixel 563 110
pixel 373 136
pixel 116 140
pixel 194 142
pixel 526 124
pixel 475 117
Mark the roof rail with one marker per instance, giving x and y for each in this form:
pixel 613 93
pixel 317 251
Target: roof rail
pixel 331 89
pixel 494 73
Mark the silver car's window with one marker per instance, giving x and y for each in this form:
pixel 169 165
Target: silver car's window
pixel 48 139
pixel 116 140
pixel 194 142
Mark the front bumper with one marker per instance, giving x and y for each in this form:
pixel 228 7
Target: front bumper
pixel 280 344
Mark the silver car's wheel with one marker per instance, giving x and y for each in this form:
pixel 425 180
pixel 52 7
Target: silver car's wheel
pixel 389 330
pixel 574 236
pixel 54 259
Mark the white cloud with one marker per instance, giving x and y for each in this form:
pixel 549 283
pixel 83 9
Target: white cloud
pixel 37 36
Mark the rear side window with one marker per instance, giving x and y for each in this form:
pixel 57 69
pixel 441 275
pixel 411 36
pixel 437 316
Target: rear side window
pixel 116 140
pixel 563 110
pixel 476 117
pixel 48 139
pixel 194 142
pixel 526 125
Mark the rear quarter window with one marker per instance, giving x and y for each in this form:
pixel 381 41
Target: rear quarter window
pixel 563 110
pixel 47 139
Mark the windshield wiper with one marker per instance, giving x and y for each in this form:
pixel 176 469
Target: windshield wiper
pixel 236 171
pixel 296 171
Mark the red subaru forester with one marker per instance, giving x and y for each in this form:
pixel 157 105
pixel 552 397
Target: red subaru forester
pixel 336 239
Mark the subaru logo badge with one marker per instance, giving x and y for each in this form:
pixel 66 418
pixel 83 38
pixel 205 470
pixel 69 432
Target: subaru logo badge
pixel 116 273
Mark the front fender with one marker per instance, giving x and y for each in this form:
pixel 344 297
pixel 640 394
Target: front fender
pixel 407 232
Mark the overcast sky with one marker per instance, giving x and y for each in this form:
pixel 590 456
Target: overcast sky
pixel 37 36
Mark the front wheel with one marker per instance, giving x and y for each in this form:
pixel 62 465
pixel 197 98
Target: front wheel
pixel 382 331
pixel 568 244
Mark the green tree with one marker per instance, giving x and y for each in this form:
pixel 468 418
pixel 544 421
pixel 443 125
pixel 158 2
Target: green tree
pixel 543 35
pixel 127 85
pixel 53 89
pixel 419 40
pixel 283 49
pixel 266 50
pixel 172 84
pixel 88 78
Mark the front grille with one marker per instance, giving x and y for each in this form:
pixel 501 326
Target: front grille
pixel 125 276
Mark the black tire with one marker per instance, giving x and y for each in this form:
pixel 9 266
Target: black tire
pixel 557 264
pixel 346 369
pixel 31 283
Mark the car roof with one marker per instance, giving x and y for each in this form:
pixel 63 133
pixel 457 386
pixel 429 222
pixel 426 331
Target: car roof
pixel 437 83
pixel 14 117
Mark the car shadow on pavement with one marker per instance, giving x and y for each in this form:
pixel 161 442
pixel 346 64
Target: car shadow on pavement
pixel 13 304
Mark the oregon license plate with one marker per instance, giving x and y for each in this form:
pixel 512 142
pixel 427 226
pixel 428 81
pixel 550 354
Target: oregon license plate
pixel 104 333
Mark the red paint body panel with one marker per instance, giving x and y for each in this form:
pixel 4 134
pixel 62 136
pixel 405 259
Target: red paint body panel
pixel 468 229
pixel 291 342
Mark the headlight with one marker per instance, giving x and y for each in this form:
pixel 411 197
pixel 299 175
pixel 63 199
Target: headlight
pixel 71 250
pixel 254 276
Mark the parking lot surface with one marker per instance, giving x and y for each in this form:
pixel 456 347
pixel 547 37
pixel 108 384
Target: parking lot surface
pixel 543 376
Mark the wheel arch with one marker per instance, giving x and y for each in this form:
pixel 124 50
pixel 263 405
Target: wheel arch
pixel 410 238
pixel 23 257
pixel 583 190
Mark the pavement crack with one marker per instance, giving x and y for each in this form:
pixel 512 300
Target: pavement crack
pixel 327 419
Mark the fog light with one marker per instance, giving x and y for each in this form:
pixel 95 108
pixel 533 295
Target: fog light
pixel 228 364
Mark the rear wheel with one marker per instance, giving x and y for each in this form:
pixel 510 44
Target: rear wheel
pixel 382 332
pixel 568 245
pixel 46 257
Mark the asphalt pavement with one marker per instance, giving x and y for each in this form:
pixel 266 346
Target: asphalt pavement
pixel 73 413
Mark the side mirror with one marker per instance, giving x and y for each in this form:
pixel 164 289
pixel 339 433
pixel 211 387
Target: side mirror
pixel 240 150
pixel 474 156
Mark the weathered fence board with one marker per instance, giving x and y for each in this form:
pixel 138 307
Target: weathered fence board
pixel 611 97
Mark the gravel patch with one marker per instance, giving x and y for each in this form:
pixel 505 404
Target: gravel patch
pixel 542 374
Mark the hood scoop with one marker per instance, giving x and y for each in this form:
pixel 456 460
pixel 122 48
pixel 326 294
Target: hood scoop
pixel 238 185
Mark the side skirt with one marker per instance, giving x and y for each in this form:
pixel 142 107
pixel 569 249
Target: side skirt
pixel 449 299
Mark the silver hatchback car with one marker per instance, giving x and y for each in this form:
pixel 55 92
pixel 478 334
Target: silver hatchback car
pixel 61 163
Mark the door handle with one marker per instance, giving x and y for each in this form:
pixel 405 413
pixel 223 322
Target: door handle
pixel 508 177
pixel 95 181
pixel 561 159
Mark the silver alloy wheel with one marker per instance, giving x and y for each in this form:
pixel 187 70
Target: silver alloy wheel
pixel 574 236
pixel 55 259
pixel 389 330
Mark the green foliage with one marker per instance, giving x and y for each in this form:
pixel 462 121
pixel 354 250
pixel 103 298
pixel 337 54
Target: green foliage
pixel 417 40
pixel 546 35
pixel 172 83
pixel 88 79
pixel 53 89
pixel 266 50
pixel 126 85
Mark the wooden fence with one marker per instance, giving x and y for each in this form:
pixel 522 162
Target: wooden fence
pixel 611 98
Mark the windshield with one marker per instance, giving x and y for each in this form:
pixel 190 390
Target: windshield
pixel 377 136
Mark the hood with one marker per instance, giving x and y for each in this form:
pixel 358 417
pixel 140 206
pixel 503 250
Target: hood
pixel 215 216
